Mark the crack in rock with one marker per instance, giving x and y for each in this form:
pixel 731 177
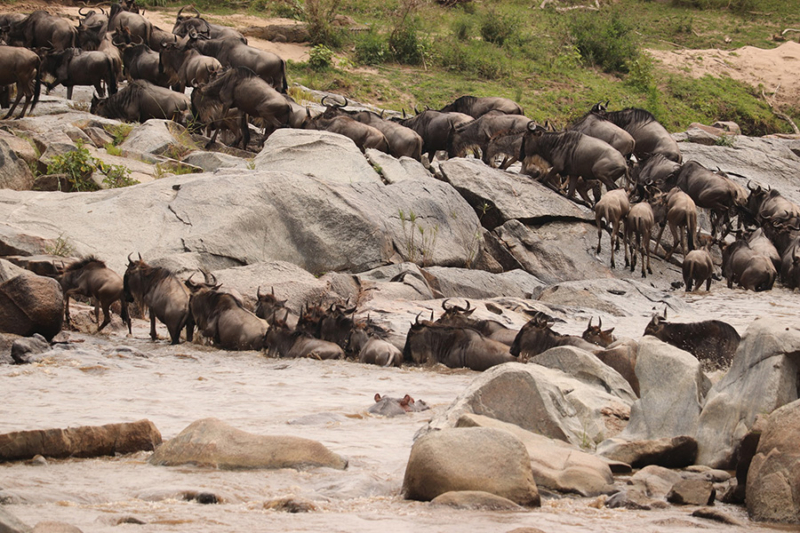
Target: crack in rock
pixel 178 216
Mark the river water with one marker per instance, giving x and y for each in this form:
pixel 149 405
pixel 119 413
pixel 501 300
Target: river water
pixel 99 381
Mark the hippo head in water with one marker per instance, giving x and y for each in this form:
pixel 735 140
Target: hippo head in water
pixel 386 406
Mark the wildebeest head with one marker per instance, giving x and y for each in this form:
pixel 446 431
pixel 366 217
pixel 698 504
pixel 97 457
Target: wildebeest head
pixel 92 28
pixel 656 324
pixel 185 24
pixel 596 334
pixel 268 305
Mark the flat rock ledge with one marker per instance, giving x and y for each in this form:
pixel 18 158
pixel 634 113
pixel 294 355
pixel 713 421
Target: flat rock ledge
pixel 212 442
pixel 84 441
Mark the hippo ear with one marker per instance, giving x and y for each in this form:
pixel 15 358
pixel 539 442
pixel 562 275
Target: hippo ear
pixel 377 397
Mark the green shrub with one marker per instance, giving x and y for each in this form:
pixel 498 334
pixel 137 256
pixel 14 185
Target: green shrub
pixel 320 57
pixel 406 46
pixel 372 48
pixel 605 39
pixel 320 15
pixel 477 58
pixel 497 28
pixel 78 165
pixel 290 9
pixel 462 28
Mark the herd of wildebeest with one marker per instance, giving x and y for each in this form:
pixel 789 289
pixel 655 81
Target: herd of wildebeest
pixel 235 85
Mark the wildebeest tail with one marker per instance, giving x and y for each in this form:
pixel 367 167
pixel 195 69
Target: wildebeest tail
pixel 112 78
pixel 37 89
pixel 126 318
pixel 284 89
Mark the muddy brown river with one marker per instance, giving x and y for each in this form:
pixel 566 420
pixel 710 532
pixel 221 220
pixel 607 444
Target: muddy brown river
pixel 99 381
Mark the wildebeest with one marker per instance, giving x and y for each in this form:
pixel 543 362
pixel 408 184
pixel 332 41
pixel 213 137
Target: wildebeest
pixel 506 143
pixel 761 245
pixel 711 190
pixel 597 335
pixel 574 154
pixel 140 62
pixel 141 101
pixel 234 53
pixel 92 28
pixel 650 136
pixel 478 133
pixel 21 67
pixel 537 336
pixel 743 266
pixel 434 128
pixel 187 24
pixel 401 141
pixel 613 207
pixel 711 341
pixel 640 223
pixel 769 204
pixel 656 170
pixel 241 88
pixel 40 29
pixel 697 268
pixel 462 317
pixel 452 346
pixel 73 67
pixel 268 306
pixel 364 135
pixel 136 24
pixel 283 342
pixel 159 37
pixel 678 210
pixel 163 294
pixel 790 264
pixel 368 342
pixel 91 277
pixel 595 124
pixel 477 106
pixel 185 66
pixel 221 317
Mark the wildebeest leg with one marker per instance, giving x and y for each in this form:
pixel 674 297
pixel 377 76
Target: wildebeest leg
pixel 153 334
pixel 599 222
pixel 626 244
pixel 66 309
pixel 126 318
pixel 673 228
pixel 106 315
pixel 646 244
pixel 97 311
pixel 189 328
pixel 16 101
pixel 69 92
pixel 245 131
pixel 101 92
pixel 708 284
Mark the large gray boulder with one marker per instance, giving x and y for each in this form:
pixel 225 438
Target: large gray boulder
pixel 762 377
pixel 250 217
pixel 469 283
pixel 396 170
pixel 212 442
pixel 773 481
pixel 509 196
pixel 671 392
pixel 474 459
pixel 157 136
pixel 540 400
pixel 330 157
pixel 211 161
pixel 11 524
pixel 14 172
pixel 556 465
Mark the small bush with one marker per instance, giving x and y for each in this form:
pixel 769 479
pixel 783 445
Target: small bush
pixel 497 29
pixel 290 9
pixel 78 165
pixel 320 15
pixel 477 58
pixel 462 28
pixel 372 48
pixel 320 57
pixel 605 40
pixel 406 46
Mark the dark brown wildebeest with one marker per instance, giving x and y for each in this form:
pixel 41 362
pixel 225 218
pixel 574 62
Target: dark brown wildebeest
pixel 453 347
pixel 640 223
pixel 268 306
pixel 762 245
pixel 185 66
pixel 363 135
pixel 73 67
pixel 711 190
pixel 697 268
pixel 434 128
pixel 537 336
pixel 163 294
pixel 139 61
pixel 234 53
pixel 241 88
pixel 141 101
pixel 478 133
pixel 743 266
pixel 91 277
pixel 650 136
pixel 596 334
pixel 368 342
pixel 790 264
pixel 21 67
pixel 711 341
pixel 136 24
pixel 506 143
pixel 40 29
pixel 678 210
pixel 477 106
pixel 402 141
pixel 613 207
pixel 159 38
pixel 220 317
pixel 188 24
pixel 769 204
pixel 283 342
pixel 574 155
pixel 656 170
pixel 462 317
pixel 595 124
pixel 92 28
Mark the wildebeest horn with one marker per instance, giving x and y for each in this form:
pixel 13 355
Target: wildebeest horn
pixel 416 110
pixel 102 10
pixel 140 255
pixel 444 304
pixel 590 322
pixel 600 324
pixel 180 11
pixel 468 306
pixel 346 103
pixel 416 321
pixel 81 13
pixel 258 292
pixel 404 112
pixel 195 10
pixel 431 314
pixel 129 257
pixel 323 99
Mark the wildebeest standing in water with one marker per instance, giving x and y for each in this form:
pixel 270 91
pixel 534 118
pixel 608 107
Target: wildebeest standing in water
pixel 92 278
pixel 537 336
pixel 283 342
pixel 454 347
pixel 369 342
pixel 22 67
pixel 711 341
pixel 163 294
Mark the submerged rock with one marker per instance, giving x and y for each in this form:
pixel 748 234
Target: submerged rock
pixel 475 500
